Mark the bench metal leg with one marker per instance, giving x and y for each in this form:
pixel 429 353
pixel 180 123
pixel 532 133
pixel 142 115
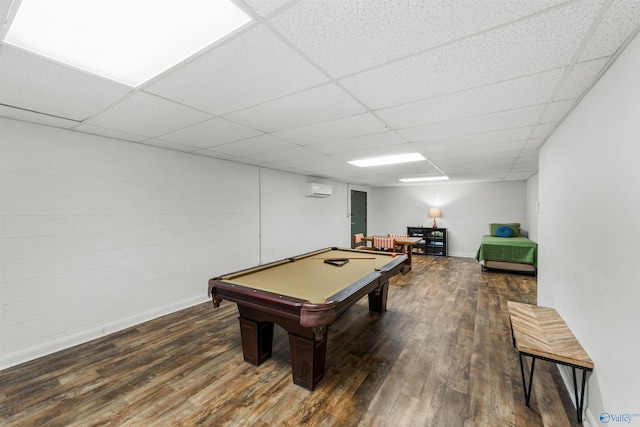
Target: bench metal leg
pixel 579 393
pixel 527 392
pixel 580 400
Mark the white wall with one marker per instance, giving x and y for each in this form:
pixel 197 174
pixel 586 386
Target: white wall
pixel 292 223
pixel 467 210
pixel 589 183
pixel 532 207
pixel 98 234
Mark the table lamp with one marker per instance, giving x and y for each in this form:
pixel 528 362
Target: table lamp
pixel 434 213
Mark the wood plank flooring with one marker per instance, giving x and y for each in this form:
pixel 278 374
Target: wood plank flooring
pixel 440 356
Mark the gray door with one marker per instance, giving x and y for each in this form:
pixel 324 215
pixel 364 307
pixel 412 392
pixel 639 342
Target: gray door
pixel 358 212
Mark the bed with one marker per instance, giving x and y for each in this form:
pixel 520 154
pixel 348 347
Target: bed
pixel 505 249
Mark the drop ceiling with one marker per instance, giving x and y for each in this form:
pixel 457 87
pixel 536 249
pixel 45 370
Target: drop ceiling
pixel 474 86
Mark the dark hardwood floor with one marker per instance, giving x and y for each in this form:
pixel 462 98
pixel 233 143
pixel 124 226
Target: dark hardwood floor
pixel 440 356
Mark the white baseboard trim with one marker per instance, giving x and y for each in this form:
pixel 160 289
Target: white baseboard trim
pixel 32 353
pixel 461 255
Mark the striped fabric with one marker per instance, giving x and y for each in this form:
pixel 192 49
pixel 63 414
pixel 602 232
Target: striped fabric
pixel 400 247
pixel 384 243
pixel 358 243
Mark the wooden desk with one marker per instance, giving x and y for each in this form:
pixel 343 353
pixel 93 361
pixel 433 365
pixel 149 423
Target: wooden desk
pixel 540 333
pixel 407 242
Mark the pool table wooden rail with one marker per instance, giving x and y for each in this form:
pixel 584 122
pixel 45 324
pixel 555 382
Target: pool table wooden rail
pixel 296 314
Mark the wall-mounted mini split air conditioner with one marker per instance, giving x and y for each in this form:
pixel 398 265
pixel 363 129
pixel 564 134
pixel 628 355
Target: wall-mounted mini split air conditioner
pixel 318 190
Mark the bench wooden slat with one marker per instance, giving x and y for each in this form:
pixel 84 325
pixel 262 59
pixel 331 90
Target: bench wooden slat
pixel 541 331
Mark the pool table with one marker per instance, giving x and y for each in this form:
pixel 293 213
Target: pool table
pixel 304 294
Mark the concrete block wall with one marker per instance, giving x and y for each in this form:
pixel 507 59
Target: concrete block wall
pixel 98 234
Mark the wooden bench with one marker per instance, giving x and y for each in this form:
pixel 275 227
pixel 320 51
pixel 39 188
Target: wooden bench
pixel 540 333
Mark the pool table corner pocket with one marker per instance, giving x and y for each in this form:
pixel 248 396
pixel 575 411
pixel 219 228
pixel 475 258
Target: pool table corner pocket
pixel 317 316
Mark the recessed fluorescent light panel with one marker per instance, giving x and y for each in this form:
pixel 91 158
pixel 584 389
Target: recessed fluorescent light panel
pixel 129 41
pixel 426 178
pixel 389 160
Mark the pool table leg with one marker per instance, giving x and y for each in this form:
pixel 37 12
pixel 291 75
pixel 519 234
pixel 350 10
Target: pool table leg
pixel 307 359
pixel 257 340
pixel 378 298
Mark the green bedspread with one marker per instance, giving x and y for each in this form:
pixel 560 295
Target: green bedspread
pixel 511 249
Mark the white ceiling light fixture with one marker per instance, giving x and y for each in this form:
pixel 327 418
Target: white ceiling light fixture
pixel 122 40
pixel 425 178
pixel 388 160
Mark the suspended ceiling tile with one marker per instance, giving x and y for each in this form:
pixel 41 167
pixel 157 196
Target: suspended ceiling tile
pixel 621 19
pixel 33 83
pixel 480 164
pixel 33 117
pixel 214 154
pixel 169 145
pixel 517 134
pixel 446 151
pixel 342 168
pixel 479 177
pixel 526 165
pixel 148 115
pixel 534 143
pixel 265 8
pixel 580 78
pixel 318 163
pixel 347 127
pixel 519 176
pixel 252 68
pixel 109 133
pixel 242 160
pixel 210 133
pixel 337 170
pixel 319 104
pixel 481 169
pixel 264 81
pixel 359 143
pixel 543 130
pixel 516 93
pixel 499 157
pixel 296 170
pixel 259 144
pixel 529 153
pixel 373 33
pixel 282 155
pixel 472 155
pixel 557 110
pixel 5 7
pixel 544 42
pixel 522 170
pixel 471 125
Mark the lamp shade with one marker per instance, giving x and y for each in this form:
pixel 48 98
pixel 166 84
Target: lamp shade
pixel 434 212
